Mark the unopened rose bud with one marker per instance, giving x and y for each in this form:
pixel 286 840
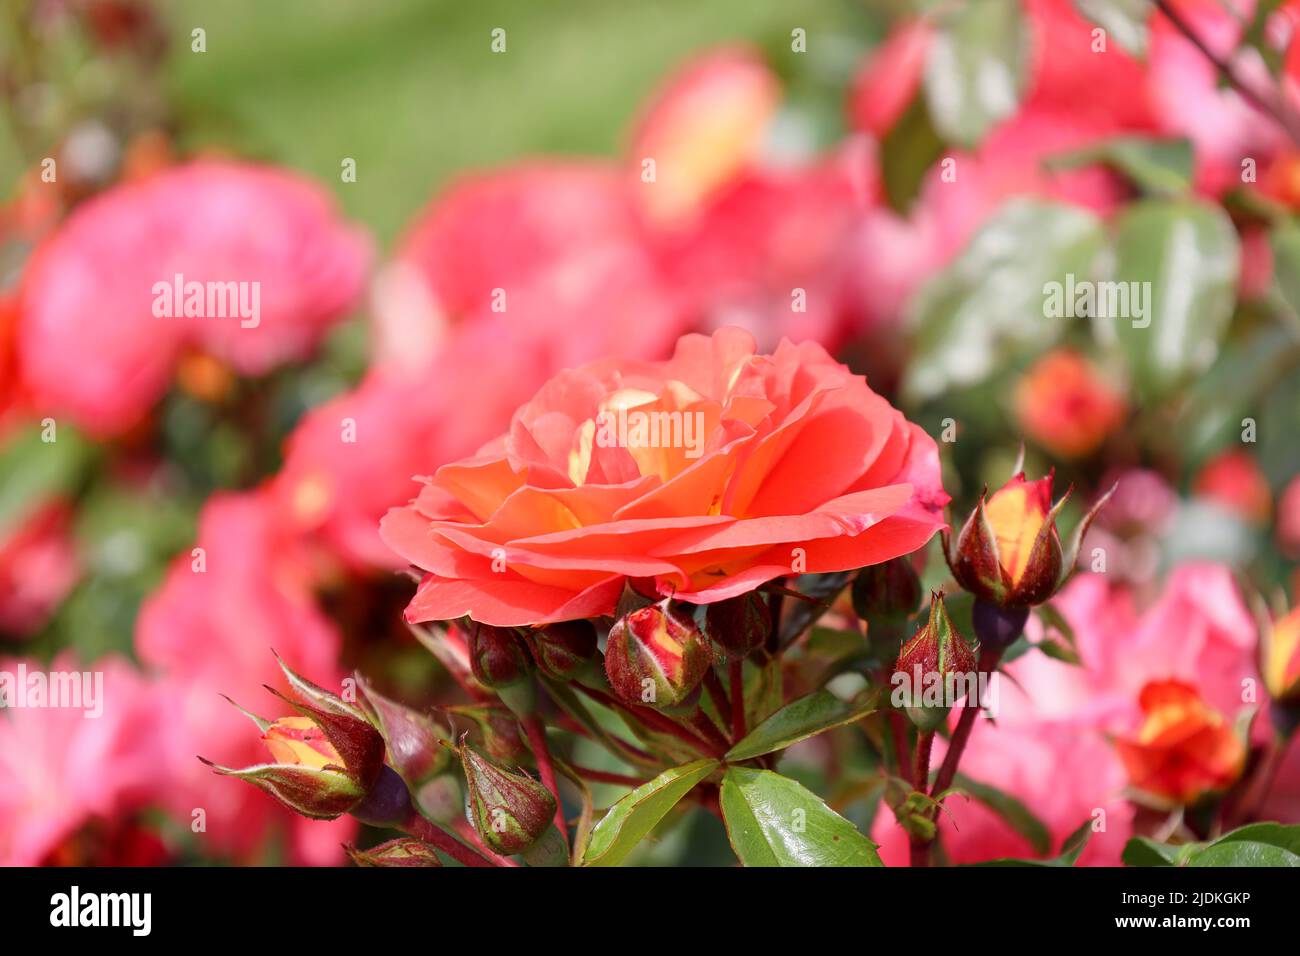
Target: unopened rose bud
pixel 402 852
pixel 1280 657
pixel 498 729
pixel 931 667
pixel 656 656
pixel 563 650
pixel 887 591
pixel 510 811
pixel 741 625
pixel 413 739
pixel 327 759
pixel 497 656
pixel 1009 551
pixel 1184 751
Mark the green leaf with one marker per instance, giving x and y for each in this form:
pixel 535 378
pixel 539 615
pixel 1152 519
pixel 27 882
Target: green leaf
pixel 1143 851
pixel 1285 241
pixel 1059 651
pixel 627 822
pixel 1159 166
pixel 1071 848
pixel 1123 20
pixel 907 153
pixel 1281 835
pixel 1257 844
pixel 1019 817
pixel 34 470
pixel 1243 853
pixel 799 720
pixel 974 75
pixel 989 306
pixel 775 821
pixel 1185 254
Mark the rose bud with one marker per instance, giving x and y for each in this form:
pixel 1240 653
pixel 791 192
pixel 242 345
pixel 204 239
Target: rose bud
pixel 888 591
pixel 1009 552
pixel 309 775
pixel 413 738
pixel 497 656
pixel 498 729
pixel 656 656
pixel 1184 751
pixel 511 811
pixel 921 679
pixel 1280 657
pixel 327 759
pixel 564 650
pixel 404 851
pixel 741 625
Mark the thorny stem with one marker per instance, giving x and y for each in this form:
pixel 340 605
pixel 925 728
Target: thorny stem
pixel 542 754
pixel 420 828
pixel 948 770
pixel 736 676
pixel 919 847
pixel 1274 107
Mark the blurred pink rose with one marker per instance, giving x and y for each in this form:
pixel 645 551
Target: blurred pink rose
pixel 38 566
pixel 1051 749
pixel 89 342
pixel 209 631
pixel 61 770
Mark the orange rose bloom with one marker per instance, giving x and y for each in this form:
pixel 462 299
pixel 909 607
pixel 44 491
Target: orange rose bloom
pixel 1066 406
pixel 708 474
pixel 300 742
pixel 1183 750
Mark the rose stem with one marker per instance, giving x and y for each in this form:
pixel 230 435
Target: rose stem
pixel 902 751
pixel 646 716
pixel 542 754
pixel 948 770
pixel 470 835
pixel 703 725
pixel 606 776
pixel 919 847
pixel 717 692
pixel 736 676
pixel 420 828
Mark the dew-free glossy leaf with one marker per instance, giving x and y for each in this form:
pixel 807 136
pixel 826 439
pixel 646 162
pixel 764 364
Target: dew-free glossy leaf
pixel 775 821
pixel 628 821
pixel 799 720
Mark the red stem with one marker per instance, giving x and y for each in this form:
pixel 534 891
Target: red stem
pixel 469 834
pixel 646 716
pixel 948 770
pixel 902 751
pixel 706 728
pixel 420 828
pixel 542 754
pixel 605 776
pixel 717 692
pixel 918 846
pixel 736 675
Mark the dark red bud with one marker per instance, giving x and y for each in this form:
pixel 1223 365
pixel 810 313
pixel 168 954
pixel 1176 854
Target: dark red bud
pixel 741 624
pixel 497 656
